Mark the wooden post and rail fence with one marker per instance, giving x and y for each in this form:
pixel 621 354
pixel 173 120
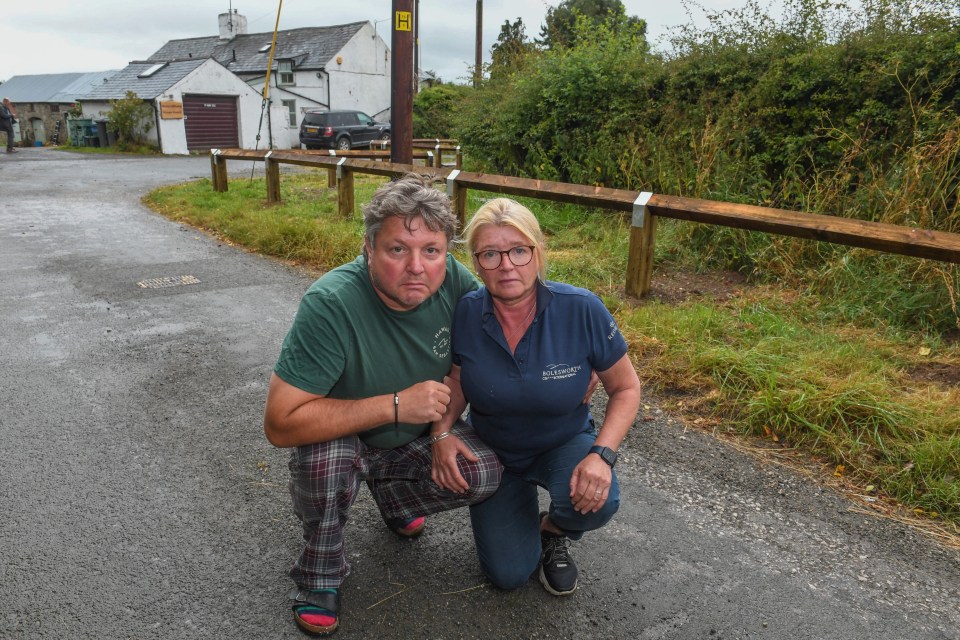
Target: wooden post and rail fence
pixel 645 207
pixel 439 146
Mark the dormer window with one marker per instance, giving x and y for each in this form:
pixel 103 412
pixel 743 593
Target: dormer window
pixel 285 73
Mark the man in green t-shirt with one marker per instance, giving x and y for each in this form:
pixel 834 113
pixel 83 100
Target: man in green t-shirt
pixel 359 381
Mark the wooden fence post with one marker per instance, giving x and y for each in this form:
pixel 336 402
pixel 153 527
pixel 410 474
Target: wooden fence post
pixel 218 168
pixel 213 169
pixel 459 160
pixel 438 156
pixel 458 197
pixel 640 260
pixel 273 178
pixel 345 198
pixel 332 173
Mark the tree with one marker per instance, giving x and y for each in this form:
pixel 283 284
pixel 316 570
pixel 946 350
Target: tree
pixel 130 118
pixel 511 48
pixel 560 29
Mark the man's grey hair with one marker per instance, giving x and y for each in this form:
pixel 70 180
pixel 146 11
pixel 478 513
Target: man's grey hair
pixel 410 197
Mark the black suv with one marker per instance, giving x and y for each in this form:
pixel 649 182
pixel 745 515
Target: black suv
pixel 340 130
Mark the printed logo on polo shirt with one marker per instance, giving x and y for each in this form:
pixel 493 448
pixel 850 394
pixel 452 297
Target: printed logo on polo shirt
pixel 614 330
pixel 441 342
pixel 560 371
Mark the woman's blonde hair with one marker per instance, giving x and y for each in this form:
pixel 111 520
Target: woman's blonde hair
pixel 507 212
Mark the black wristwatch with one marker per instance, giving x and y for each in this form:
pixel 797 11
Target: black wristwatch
pixel 606 454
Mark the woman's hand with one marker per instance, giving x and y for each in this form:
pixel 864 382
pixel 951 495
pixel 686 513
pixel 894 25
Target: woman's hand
pixel 445 472
pixel 590 484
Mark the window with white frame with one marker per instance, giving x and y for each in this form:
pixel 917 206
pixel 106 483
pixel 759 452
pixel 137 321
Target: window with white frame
pixel 291 106
pixel 285 73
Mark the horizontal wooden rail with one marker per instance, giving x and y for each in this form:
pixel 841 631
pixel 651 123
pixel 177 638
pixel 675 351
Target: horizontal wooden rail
pixel 645 208
pixel 439 149
pixel 309 155
pixel 888 238
pixel 385 144
pixel 296 157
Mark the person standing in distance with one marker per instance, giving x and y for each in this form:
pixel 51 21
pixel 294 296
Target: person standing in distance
pixel 8 115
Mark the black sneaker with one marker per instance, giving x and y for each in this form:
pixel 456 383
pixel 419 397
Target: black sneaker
pixel 558 572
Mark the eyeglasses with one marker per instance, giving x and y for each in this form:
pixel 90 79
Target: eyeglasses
pixel 491 258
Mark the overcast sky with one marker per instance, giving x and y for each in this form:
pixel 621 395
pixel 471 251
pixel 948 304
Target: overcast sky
pixel 61 36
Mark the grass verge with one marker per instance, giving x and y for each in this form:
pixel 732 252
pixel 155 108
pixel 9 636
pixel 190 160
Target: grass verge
pixel 764 362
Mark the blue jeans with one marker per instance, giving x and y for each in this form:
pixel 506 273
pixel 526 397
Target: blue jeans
pixel 506 526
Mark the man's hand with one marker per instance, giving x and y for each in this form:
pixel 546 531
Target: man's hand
pixel 590 484
pixel 423 402
pixel 445 472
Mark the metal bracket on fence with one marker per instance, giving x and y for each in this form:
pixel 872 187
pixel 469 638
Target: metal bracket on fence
pixel 452 178
pixel 331 152
pixel 430 158
pixel 640 212
pixel 268 154
pixel 340 168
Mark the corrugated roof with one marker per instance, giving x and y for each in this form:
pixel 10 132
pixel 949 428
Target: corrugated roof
pixel 127 79
pixel 83 85
pixel 313 47
pixel 52 87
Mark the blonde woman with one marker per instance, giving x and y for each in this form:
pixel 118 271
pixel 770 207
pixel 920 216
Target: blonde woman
pixel 523 352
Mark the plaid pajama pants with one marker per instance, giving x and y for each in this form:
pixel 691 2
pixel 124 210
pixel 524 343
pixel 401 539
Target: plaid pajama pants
pixel 325 481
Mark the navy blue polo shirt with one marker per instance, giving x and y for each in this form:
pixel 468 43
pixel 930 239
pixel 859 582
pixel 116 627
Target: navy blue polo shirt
pixel 525 403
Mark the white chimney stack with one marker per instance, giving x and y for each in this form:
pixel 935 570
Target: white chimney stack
pixel 232 25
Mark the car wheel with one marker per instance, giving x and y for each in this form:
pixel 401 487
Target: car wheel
pixel 385 135
pixel 343 144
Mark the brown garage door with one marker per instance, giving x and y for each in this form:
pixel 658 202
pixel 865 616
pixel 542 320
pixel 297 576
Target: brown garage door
pixel 211 122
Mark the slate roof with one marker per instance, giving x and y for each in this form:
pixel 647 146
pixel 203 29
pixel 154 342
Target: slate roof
pixel 311 47
pixel 61 88
pixel 147 88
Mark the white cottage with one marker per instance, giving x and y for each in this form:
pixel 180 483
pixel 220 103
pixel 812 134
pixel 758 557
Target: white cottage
pixel 196 104
pixel 338 67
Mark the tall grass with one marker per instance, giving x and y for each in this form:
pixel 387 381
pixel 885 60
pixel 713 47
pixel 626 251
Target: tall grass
pixel 838 392
pixel 305 228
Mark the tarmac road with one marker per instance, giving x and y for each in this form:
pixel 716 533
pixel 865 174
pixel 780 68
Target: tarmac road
pixel 140 499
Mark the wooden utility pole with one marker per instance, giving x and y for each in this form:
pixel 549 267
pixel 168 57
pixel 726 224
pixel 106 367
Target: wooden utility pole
pixel 416 47
pixel 478 54
pixel 401 83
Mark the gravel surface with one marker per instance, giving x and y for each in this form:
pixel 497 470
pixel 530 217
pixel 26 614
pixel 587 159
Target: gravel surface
pixel 141 500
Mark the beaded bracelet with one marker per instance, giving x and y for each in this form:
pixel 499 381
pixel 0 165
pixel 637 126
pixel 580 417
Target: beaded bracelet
pixel 396 410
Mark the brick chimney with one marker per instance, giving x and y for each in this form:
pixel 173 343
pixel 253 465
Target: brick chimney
pixel 232 25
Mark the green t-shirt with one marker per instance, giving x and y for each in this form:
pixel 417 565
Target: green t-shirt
pixel 346 343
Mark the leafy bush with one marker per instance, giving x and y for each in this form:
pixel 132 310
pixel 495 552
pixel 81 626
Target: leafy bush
pixel 827 110
pixel 130 118
pixel 433 110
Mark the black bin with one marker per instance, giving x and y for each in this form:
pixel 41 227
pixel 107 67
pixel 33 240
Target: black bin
pixel 102 133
